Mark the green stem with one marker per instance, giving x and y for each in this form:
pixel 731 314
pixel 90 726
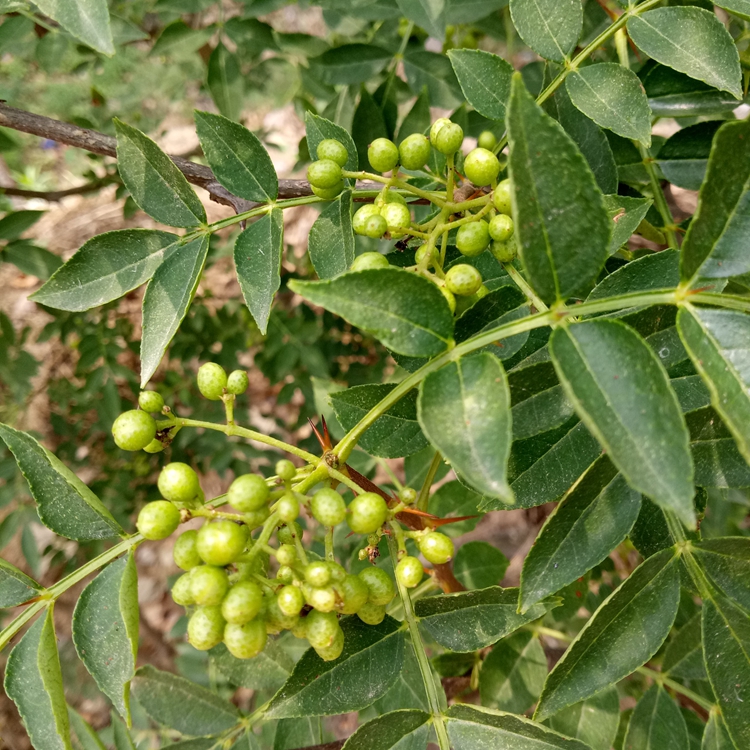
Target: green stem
pixel 524 286
pixel 424 664
pixel 345 480
pixel 424 492
pixel 658 194
pixel 730 301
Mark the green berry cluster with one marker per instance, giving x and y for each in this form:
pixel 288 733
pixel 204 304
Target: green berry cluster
pixel 325 175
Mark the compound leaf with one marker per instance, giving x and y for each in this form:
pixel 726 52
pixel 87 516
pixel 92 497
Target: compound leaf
pixel 550 28
pixel 484 79
pixel 656 723
pixel 15 586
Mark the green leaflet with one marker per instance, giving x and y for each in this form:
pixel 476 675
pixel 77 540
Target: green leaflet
pixel 15 586
pixel 484 79
pixel 513 673
pixel 267 671
pixel 478 564
pixel 257 258
pixel 593 721
pixel 123 740
pixel 15 223
pixel 691 40
pixel 368 124
pixel 86 20
pixel 715 736
pixel 623 634
pixel 714 244
pixel 427 14
pixel 64 503
pixel 225 82
pixel 406 312
pixel 154 182
pixel 105 630
pixel 87 738
pixel 167 300
pixel 237 157
pixel 31 260
pixel 464 409
pixel 456 499
pixel 622 394
pixel 475 728
pixel 718 342
pixel 652 272
pixel 725 561
pixel 613 97
pixel 684 157
pixel 331 239
pixel 180 704
pixel 561 221
pixel 550 28
pixel 401 730
pixel 396 433
pixel 471 620
pixel 626 214
pixel 33 681
pixel 350 63
pixel 108 266
pixel 408 691
pixel 683 657
pixel 297 733
pixel 417 119
pixel 424 68
pixel 318 129
pixel 657 723
pixel 740 8
pixel 584 528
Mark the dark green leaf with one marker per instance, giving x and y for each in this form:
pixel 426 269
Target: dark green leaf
pixel 331 239
pixel 468 11
pixel 593 721
pixel 350 63
pixel 239 160
pixel 107 267
pixel 417 466
pixel 471 620
pixel 297 733
pixel 267 671
pixel 456 499
pixel 87 738
pixel 86 20
pixel 562 246
pixel 715 736
pixel 691 40
pixel 405 311
pixel 167 300
pixel 684 157
pixel 476 728
pixel 427 14
pixel 684 655
pixel 368 124
pixel 718 342
pixel 650 273
pixel 31 260
pixel 33 681
pixel 434 71
pixel 105 630
pixel 622 394
pixel 65 504
pixel 484 79
pixel 123 740
pixel 613 97
pixel 478 565
pixel 225 82
pixel 180 704
pixel 368 666
pixel 408 691
pixel 397 433
pixel 464 409
pixel 15 223
pixel 657 723
pixel 418 118
pixel 550 28
pixel 624 633
pixel 154 182
pixel 584 528
pixel 318 129
pixel 257 258
pixel 513 674
pixel 725 561
pixel 15 586
pixel 626 214
pixel 401 730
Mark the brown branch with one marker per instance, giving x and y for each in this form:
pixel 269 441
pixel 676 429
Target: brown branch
pixel 55 195
pixel 337 745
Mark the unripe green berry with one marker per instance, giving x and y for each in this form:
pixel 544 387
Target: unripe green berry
pixel 221 542
pixel 437 126
pixel 322 599
pixel 248 492
pixel 501 197
pixel 354 594
pixel 338 572
pixel 290 600
pixel 328 194
pixel 245 641
pixel 463 279
pixel 426 255
pixel 318 573
pixel 332 652
pixel 178 482
pixel 504 252
pixel 382 155
pixel 288 508
pixel 473 238
pixel 448 138
pixel 185 550
pixel 205 628
pixel 450 299
pixel 276 619
pixel 414 151
pixel 501 227
pixel 328 507
pixel 324 173
pixel 182 593
pixel 285 574
pixel 379 584
pixel 371 614
pixel 481 167
pixel 237 382
pixel 367 513
pixel 242 603
pixel 436 547
pixel 150 401
pixel 208 585
pixel 408 495
pixel 288 533
pixel 322 628
pixel 256 518
pixel 397 216
pixel 212 380
pixel 391 196
pixel 286 554
pixel 300 629
pixel 409 572
pixel 133 430
pixel 158 520
pixel 285 470
pixel 375 227
pixel 487 139
pixel 333 150
pixel 362 215
pixel 155 446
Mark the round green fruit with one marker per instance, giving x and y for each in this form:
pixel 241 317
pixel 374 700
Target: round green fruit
pixel 436 547
pixel 276 619
pixel 288 508
pixel 288 533
pixel 185 550
pixel 248 492
pixel 481 167
pixel 472 238
pixel 286 554
pixel 182 593
pixel 328 194
pixel 333 150
pixel 133 430
pixel 487 139
pixel 501 197
pixel 285 574
pixel 212 380
pixel 290 600
pixel 245 641
pixel 332 652
pixel 375 227
pixel 367 513
pixel 205 628
pixel 414 151
pixel 382 155
pixel 155 446
pixel 354 594
pixel 448 139
pixel 286 470
pixel 327 506
pixel 221 542
pixel 463 279
pixel 322 599
pixel 338 572
pixel 256 518
pixel 318 573
pixel 208 585
pixel 242 603
pixel 397 216
pixel 409 572
pixel 158 520
pixel 324 173
pixel 371 614
pixel 409 495
pixel 426 255
pixel 379 584
pixel 504 252
pixel 178 482
pixel 501 227
pixel 322 628
pixel 237 382
pixel 150 401
pixel 362 215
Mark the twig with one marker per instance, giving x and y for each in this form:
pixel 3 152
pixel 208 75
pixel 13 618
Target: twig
pixel 55 195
